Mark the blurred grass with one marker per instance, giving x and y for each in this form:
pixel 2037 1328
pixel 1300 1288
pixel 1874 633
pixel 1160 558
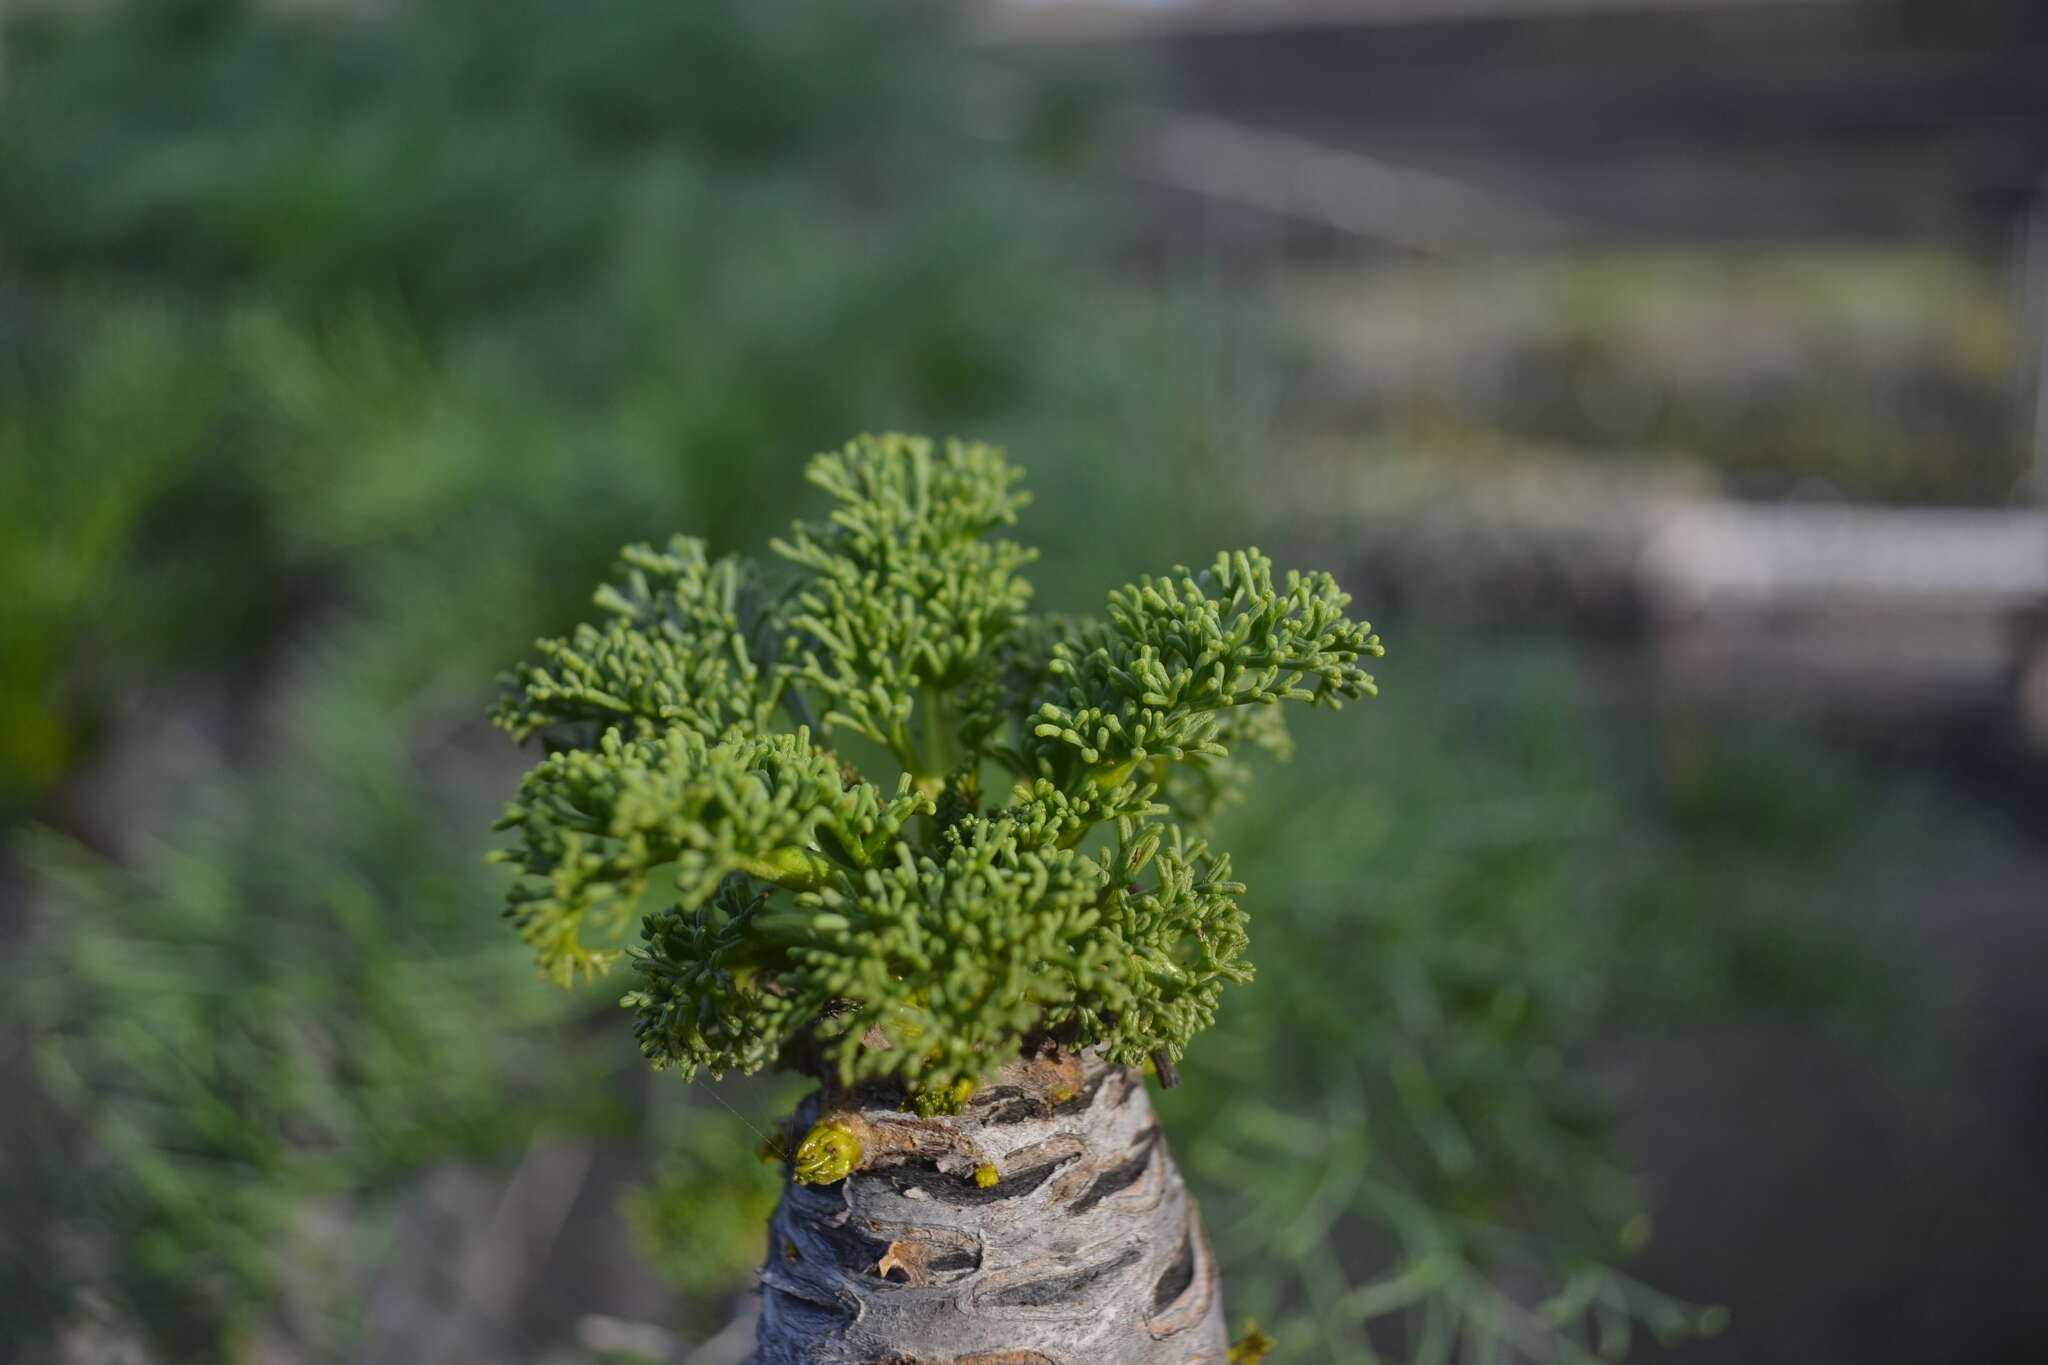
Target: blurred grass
pixel 1878 373
pixel 379 296
pixel 340 352
pixel 1464 918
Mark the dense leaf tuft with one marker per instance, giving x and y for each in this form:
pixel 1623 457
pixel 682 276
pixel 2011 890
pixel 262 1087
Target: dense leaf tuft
pixel 898 925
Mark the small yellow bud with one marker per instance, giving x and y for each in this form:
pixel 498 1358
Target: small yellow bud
pixel 1252 1347
pixel 827 1154
pixel 948 1099
pixel 986 1175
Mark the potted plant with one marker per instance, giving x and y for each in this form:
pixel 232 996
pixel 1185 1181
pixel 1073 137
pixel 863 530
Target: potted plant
pixel 946 857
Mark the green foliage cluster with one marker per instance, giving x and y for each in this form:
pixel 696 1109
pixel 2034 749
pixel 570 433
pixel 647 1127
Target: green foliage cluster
pixel 244 1042
pixel 898 925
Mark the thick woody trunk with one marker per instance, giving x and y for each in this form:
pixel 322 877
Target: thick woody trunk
pixel 1044 1225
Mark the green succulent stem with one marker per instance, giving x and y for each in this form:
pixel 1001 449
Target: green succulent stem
pixel 937 755
pixel 1109 778
pixel 792 867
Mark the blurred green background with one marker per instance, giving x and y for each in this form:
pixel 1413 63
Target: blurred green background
pixel 342 345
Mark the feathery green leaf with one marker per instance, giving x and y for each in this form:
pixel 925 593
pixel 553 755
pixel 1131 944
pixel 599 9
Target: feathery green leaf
pixel 896 927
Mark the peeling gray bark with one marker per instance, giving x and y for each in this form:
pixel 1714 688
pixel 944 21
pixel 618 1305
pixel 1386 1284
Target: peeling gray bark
pixel 1086 1251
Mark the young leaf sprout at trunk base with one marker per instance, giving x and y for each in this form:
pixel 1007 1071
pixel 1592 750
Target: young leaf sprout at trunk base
pixel 948 858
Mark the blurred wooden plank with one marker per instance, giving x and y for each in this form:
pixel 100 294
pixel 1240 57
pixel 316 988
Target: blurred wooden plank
pixel 1904 613
pixel 1737 557
pixel 1344 192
